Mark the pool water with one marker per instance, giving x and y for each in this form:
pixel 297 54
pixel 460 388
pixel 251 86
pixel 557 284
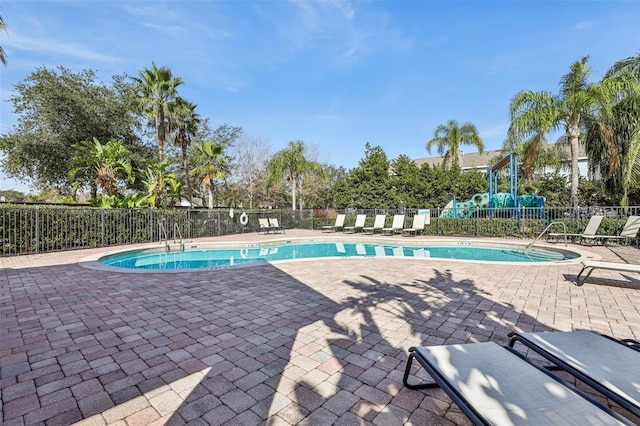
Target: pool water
pixel 212 258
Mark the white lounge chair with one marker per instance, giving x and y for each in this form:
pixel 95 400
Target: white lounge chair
pixel 396 227
pixel 589 231
pixel 495 385
pixel 630 230
pixel 591 265
pixel 336 226
pixel 378 224
pixel 610 366
pixel 360 222
pixel 275 226
pixel 416 227
pixel 264 225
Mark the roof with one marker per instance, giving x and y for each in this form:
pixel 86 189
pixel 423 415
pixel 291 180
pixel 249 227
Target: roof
pixel 481 161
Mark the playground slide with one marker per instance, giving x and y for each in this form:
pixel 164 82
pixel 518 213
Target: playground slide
pixel 501 200
pixel 466 209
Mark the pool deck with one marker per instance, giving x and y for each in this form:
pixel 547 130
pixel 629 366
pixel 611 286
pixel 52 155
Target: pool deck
pixel 312 342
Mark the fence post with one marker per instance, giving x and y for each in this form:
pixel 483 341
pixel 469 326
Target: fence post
pixel 102 228
pixel 37 228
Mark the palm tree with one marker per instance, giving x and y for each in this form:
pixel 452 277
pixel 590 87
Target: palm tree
pixel 534 114
pixel 210 165
pixel 613 132
pixel 157 89
pixel 291 163
pixel 183 121
pixel 162 187
pixel 450 137
pixel 100 166
pixel 3 27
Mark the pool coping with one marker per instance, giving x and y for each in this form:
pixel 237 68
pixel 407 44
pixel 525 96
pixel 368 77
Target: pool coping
pixel 92 261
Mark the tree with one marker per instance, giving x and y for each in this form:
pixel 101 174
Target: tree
pixel 183 122
pixel 368 185
pixel 249 161
pixel 449 139
pixel 534 114
pixel 101 167
pixel 58 109
pixel 3 56
pixel 211 164
pixel 290 164
pixel 612 139
pixel 157 89
pixel 162 188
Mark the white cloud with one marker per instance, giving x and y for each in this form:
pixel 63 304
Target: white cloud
pixel 46 45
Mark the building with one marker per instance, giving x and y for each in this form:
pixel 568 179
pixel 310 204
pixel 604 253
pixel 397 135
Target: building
pixel 483 161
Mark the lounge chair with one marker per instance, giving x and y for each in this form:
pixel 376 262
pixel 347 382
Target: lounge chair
pixel 493 384
pixel 264 225
pixel 589 231
pixel 396 227
pixel 591 265
pixel 378 224
pixel 630 230
pixel 416 227
pixel 610 366
pixel 275 226
pixel 336 226
pixel 357 227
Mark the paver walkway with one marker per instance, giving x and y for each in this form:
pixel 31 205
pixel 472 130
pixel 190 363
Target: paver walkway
pixel 312 342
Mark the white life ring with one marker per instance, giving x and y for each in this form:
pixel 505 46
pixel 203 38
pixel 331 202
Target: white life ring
pixel 244 253
pixel 244 219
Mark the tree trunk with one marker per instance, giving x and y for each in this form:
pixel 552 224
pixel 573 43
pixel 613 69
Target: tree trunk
pixel 574 134
pixel 160 127
pixel 210 191
pixel 185 166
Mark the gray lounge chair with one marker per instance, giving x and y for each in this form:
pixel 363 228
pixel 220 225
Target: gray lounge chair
pixel 589 231
pixel 357 227
pixel 336 226
pixel 591 265
pixel 495 385
pixel 378 224
pixel 610 366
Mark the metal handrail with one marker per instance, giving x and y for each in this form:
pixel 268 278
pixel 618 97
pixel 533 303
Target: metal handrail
pixel 564 225
pixel 164 231
pixel 177 228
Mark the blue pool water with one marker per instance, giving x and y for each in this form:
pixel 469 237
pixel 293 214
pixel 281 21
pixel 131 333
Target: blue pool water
pixel 212 258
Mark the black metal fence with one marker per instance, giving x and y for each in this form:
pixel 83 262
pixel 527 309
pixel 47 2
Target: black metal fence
pixel 41 229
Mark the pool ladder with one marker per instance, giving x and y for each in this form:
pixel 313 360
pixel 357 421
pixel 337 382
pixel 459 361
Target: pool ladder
pixel 564 225
pixel 176 230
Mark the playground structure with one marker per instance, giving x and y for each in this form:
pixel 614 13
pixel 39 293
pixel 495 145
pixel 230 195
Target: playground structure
pixel 504 204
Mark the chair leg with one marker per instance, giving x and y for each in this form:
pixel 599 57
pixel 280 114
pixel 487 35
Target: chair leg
pixel 407 371
pixel 578 283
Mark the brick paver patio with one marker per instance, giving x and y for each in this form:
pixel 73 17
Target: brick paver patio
pixel 311 342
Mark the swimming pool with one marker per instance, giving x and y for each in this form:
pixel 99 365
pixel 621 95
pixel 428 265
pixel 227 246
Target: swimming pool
pixel 216 257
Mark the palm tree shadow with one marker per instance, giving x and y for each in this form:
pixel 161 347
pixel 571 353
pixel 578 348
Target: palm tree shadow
pixel 439 310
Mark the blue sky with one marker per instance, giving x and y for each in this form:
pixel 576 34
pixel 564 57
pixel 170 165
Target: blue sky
pixel 335 74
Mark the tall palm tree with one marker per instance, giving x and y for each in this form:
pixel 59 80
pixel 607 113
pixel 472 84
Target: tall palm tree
pixel 613 132
pixel 534 114
pixel 3 27
pixel 449 139
pixel 157 89
pixel 210 165
pixel 183 122
pixel 100 166
pixel 290 163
